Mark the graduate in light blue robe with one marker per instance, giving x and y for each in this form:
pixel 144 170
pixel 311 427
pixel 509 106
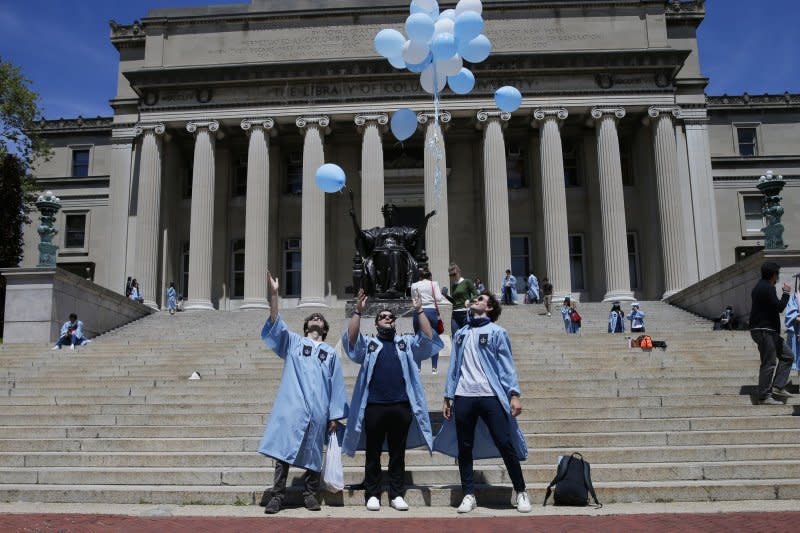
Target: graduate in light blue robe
pixel 792 321
pixel 616 319
pixel 310 398
pixel 172 294
pixel 636 316
pixel 566 311
pixel 508 286
pixel 71 333
pixel 533 289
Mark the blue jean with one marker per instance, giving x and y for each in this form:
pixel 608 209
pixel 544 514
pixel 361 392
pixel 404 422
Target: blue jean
pixel 467 410
pixel 433 318
pixel 69 339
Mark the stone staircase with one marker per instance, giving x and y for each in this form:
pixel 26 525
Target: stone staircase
pixel 118 422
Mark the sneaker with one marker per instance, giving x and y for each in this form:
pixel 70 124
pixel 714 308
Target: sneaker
pixel 266 496
pixel 56 347
pixel 769 400
pixel 467 504
pixel 434 371
pixel 548 314
pixel 523 503
pixel 273 506
pixel 399 503
pixel 782 393
pixel 71 346
pixel 85 342
pixel 373 504
pixel 311 503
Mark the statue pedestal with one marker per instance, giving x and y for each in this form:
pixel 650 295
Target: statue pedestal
pixel 400 307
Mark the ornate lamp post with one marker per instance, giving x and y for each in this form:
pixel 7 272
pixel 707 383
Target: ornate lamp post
pixel 48 205
pixel 771 186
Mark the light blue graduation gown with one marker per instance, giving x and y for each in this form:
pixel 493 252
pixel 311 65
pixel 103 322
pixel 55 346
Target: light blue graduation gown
pixel 533 288
pixel 78 333
pixel 616 322
pixel 513 288
pixel 311 393
pixel 411 349
pixel 790 319
pixel 171 302
pixel 494 350
pixel 569 326
pixel 636 318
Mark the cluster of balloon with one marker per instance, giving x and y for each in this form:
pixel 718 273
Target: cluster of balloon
pixel 437 46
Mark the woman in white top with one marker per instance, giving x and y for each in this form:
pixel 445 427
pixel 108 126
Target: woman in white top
pixel 430 295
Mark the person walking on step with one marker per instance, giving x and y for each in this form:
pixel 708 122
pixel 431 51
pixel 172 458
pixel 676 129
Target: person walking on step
pixel 532 291
pixel 482 401
pixel 388 404
pixel 172 294
pixel 547 295
pixel 311 398
pixel 636 316
pixel 71 333
pixel 509 288
pixel 765 317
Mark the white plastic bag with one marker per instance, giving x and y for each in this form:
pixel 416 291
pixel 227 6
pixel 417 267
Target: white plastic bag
pixel 332 473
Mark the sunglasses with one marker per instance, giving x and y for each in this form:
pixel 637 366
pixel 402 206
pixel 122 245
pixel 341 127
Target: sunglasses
pixel 385 316
pixel 316 317
pixel 482 298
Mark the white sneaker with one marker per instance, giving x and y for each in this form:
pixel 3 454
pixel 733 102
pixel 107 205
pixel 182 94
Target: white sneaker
pixel 399 503
pixel 71 346
pixel 548 314
pixel 56 347
pixel 523 503
pixel 467 504
pixel 373 504
pixel 434 371
pixel 85 342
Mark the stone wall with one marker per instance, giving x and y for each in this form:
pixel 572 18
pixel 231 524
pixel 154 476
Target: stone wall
pixel 40 300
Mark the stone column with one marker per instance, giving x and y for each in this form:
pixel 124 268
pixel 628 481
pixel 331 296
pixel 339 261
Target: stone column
pixel 201 230
pixel 148 220
pixel 256 231
pixel 612 204
pixel 372 196
pixel 703 203
pixel 495 187
pixel 437 234
pixel 119 202
pixel 312 246
pixel 554 200
pixel 669 198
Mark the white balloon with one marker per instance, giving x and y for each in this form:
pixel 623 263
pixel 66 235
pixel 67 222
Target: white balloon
pixel 427 5
pixel 426 80
pixel 448 14
pixel 468 5
pixel 443 25
pixel 415 52
pixel 450 66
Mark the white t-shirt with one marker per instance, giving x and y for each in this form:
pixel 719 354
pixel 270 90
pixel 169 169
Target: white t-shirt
pixel 426 293
pixel 473 381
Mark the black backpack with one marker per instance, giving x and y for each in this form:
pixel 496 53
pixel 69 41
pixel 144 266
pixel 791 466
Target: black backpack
pixel 573 483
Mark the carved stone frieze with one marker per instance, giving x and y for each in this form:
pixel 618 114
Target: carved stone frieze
pixel 66 125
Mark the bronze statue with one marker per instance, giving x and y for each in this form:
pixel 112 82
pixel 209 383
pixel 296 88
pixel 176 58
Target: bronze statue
pixel 388 259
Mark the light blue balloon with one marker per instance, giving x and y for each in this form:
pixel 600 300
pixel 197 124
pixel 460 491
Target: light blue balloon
pixel 397 62
pixel 463 82
pixel 419 27
pixel 468 26
pixel 443 46
pixel 508 98
pixel 404 123
pixel 389 43
pixel 419 67
pixel 330 177
pixel 475 50
pixel 433 13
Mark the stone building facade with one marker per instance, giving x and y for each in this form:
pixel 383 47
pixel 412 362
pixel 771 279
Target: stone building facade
pixel 617 178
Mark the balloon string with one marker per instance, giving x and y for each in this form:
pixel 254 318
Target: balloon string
pixel 435 146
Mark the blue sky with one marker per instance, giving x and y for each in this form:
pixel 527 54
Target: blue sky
pixel 63 47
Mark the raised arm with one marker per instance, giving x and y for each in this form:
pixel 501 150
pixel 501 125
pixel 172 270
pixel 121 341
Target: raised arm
pixel 273 297
pixel 354 327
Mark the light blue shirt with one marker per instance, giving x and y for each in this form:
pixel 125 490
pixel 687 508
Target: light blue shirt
pixel 790 320
pixel 78 333
pixel 311 393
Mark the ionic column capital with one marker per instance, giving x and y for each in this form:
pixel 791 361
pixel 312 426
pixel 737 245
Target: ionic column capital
pixel 541 114
pixel 155 128
pixel 424 117
pixel 321 122
pixel 598 112
pixel 657 111
pixel 487 116
pixel 380 120
pixel 211 125
pixel 265 123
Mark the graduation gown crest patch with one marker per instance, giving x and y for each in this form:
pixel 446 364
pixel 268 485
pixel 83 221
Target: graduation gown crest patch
pixel 306 351
pixel 323 355
pixel 402 345
pixel 483 339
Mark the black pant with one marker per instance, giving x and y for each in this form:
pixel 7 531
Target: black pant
pixel 389 421
pixel 467 410
pixel 310 480
pixel 776 361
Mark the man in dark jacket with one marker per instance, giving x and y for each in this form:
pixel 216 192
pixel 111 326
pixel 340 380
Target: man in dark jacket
pixel 765 330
